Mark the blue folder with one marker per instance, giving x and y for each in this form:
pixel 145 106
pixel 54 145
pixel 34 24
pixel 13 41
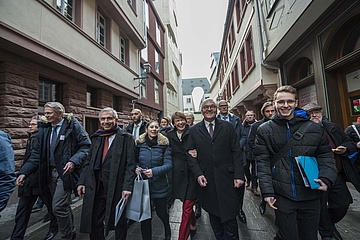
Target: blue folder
pixel 310 168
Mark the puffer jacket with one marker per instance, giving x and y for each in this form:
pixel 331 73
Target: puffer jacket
pixel 284 177
pixel 157 158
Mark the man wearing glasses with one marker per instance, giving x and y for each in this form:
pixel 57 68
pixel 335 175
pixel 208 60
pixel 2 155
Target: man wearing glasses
pixel 297 207
pixel 218 169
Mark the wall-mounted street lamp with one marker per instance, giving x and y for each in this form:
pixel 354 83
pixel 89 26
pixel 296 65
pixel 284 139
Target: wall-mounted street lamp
pixel 144 75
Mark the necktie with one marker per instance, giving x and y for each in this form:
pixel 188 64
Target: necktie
pixel 106 148
pixel 211 129
pixel 52 145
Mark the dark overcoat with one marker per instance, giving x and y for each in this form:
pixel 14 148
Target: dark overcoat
pixel 340 138
pixel 118 176
pixel 72 145
pixel 219 159
pixel 31 184
pixel 183 183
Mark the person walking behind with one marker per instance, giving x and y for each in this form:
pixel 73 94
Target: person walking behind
pixel 248 158
pixel 225 115
pixel 137 126
pixel 30 192
pixel 335 202
pixel 218 169
pixel 183 183
pixel 59 155
pixel 153 157
pixel 267 110
pixel 108 176
pixel 7 169
pixel 297 207
pixel 190 119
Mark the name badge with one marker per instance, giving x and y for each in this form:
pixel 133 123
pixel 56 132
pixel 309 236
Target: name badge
pixel 62 137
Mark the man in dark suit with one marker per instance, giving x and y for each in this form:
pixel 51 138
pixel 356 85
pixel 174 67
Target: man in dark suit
pixel 137 126
pixel 218 170
pixel 225 115
pixel 108 176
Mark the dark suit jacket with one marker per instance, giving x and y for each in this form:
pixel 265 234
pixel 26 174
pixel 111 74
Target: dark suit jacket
pixel 130 128
pixel 219 159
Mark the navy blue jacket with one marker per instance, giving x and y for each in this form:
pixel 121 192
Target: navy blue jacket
pixel 157 158
pixel 72 146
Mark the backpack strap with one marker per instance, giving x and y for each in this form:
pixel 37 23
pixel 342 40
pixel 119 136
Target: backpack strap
pixel 297 136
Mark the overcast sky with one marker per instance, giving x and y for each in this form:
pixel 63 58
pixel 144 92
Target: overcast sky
pixel 201 25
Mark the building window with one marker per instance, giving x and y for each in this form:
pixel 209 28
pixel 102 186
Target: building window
pixel 235 78
pixel 188 100
pixel 49 92
pixel 91 97
pixel 91 125
pixel 66 8
pixel 157 63
pixel 132 3
pixel 158 34
pixel 156 91
pixel 101 29
pixel 122 49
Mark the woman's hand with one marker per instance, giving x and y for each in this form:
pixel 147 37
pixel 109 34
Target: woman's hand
pixel 148 173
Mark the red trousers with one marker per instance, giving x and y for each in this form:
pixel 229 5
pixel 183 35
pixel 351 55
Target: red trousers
pixel 187 219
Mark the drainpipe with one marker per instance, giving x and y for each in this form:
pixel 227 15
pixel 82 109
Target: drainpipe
pixel 261 43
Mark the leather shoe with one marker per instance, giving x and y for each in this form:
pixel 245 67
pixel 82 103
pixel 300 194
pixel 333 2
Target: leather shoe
pixel 255 192
pixel 242 216
pixel 50 235
pixel 197 211
pixel 262 207
pixel 71 237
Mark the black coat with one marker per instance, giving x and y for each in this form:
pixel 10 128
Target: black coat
pixel 284 178
pixel 352 171
pixel 73 145
pixel 117 174
pixel 31 184
pixel 184 186
pixel 219 159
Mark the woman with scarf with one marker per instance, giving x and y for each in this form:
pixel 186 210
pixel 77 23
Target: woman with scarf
pixel 107 177
pixel 184 184
pixel 153 159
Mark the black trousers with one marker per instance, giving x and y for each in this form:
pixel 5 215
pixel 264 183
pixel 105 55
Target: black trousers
pixel 334 205
pixel 23 213
pixel 296 220
pixel 161 211
pixel 224 231
pixel 97 221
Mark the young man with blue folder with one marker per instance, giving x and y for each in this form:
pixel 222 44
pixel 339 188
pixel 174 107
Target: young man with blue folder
pixel 297 207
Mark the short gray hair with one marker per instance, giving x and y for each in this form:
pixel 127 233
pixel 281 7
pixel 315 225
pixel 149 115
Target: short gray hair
pixel 56 106
pixel 109 109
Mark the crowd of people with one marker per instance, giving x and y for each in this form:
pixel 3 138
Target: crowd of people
pixel 207 165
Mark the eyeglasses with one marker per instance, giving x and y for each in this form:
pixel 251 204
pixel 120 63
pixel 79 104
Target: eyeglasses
pixel 223 105
pixel 209 107
pixel 33 124
pixel 288 102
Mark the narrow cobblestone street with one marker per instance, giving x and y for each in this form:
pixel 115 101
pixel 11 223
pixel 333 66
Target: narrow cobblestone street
pixel 257 227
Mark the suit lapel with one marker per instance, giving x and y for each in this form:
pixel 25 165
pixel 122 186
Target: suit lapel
pixel 203 130
pixel 218 127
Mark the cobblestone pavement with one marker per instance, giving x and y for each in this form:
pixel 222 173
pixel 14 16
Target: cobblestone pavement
pixel 257 227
